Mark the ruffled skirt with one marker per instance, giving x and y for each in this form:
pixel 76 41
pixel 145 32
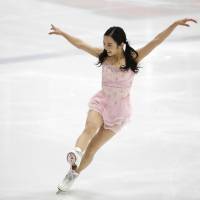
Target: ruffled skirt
pixel 116 112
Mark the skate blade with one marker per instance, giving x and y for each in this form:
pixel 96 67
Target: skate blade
pixel 60 190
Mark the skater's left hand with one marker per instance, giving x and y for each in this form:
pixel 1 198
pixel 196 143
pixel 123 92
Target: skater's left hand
pixel 184 21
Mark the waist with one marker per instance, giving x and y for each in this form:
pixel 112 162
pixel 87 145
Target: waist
pixel 123 86
pixel 116 92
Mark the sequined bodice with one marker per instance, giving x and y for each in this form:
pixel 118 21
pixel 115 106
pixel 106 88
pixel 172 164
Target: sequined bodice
pixel 116 83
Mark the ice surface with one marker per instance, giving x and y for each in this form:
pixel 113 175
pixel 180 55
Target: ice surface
pixel 46 84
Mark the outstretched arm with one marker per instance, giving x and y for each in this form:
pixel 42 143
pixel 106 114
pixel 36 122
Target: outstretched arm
pixel 76 41
pixel 73 40
pixel 144 51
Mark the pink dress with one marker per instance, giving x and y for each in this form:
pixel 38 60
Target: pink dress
pixel 113 100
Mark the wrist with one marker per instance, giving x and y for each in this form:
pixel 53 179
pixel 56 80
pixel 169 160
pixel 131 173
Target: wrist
pixel 174 24
pixel 62 33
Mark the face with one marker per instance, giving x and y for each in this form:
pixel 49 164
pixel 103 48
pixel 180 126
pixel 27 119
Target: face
pixel 111 46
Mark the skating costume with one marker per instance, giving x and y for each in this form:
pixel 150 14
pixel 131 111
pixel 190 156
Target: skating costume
pixel 113 100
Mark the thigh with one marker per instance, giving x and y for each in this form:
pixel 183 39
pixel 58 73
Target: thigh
pixel 94 120
pixel 102 136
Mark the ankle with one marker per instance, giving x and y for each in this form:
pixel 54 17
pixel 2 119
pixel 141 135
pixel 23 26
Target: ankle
pixel 77 170
pixel 79 150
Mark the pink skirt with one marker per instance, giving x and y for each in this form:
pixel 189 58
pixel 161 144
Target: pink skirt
pixel 116 112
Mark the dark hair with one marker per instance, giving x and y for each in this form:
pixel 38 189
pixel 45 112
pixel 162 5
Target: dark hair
pixel 119 36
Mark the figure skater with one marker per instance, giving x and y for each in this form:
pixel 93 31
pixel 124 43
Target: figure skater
pixel 109 108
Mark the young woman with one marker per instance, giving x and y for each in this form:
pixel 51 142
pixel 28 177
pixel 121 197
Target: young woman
pixel 110 108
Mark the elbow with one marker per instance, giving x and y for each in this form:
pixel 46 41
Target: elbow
pixel 79 44
pixel 157 40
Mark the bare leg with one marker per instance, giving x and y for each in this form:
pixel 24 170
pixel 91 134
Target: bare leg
pixel 93 123
pixel 84 139
pixel 97 141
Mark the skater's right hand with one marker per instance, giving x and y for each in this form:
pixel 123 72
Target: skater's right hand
pixel 56 30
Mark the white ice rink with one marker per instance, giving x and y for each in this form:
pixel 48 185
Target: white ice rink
pixel 46 84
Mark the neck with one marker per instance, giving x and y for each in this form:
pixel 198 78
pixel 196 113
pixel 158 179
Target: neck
pixel 118 56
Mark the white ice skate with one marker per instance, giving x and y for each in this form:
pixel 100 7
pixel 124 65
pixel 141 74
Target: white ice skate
pixel 74 157
pixel 68 181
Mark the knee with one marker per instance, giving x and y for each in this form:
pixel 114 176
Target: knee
pixel 90 129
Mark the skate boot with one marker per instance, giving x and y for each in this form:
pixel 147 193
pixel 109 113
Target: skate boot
pixel 74 158
pixel 68 180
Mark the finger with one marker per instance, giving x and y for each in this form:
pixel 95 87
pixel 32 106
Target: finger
pixel 52 26
pixel 55 32
pixel 193 20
